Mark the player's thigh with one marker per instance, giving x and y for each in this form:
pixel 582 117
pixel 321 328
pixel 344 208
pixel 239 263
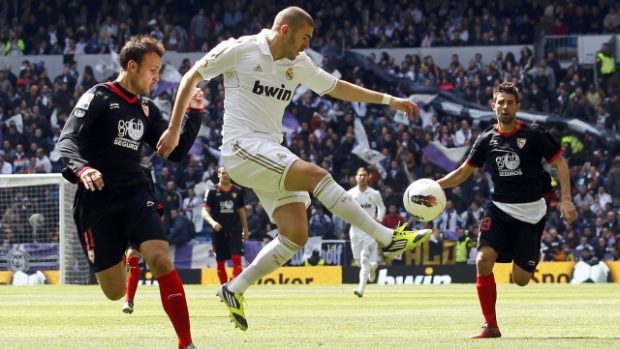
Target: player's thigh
pixel 494 234
pixel 112 281
pixel 235 243
pixel 526 245
pixel 272 201
pixel 100 222
pixel 220 246
pixel 143 220
pixel 356 243
pixel 258 164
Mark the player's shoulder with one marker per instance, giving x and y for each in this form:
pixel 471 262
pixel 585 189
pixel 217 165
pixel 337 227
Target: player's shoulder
pixel 489 132
pixel 534 127
pixel 237 188
pixel 246 42
pixel 100 91
pixel 373 191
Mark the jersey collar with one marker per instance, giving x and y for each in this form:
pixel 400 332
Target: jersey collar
pixel 121 92
pixel 517 128
pixel 263 45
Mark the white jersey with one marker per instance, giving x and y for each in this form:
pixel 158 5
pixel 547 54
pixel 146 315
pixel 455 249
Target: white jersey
pixel 257 88
pixel 371 201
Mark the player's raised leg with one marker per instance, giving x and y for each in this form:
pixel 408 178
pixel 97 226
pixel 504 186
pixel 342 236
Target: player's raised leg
pixel 305 176
pixel 487 292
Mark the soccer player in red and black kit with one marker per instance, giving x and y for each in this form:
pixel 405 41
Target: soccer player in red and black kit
pixel 514 220
pixel 224 210
pixel 114 205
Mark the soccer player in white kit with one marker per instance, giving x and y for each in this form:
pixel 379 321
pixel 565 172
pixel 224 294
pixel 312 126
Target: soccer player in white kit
pixel 261 73
pixel 364 247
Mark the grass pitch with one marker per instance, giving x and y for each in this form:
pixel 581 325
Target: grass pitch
pixel 440 316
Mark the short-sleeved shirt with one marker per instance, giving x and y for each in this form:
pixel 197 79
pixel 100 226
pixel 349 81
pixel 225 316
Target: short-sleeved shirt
pixel 514 160
pixel 225 206
pixel 370 200
pixel 257 88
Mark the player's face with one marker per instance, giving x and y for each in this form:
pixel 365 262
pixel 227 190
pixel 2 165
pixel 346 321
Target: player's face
pixel 362 178
pixel 298 40
pixel 147 74
pixel 223 176
pixel 505 107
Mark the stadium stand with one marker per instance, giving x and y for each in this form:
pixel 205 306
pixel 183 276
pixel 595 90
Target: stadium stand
pixel 34 105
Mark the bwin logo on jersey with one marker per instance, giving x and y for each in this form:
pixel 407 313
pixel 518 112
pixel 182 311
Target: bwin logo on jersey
pixel 279 93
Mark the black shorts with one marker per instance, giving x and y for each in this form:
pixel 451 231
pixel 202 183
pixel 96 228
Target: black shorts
pixel 109 221
pixel 226 244
pixel 514 240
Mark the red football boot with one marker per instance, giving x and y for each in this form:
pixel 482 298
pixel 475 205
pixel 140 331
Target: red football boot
pixel 487 332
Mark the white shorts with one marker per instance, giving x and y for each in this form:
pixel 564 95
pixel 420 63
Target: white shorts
pixel 362 242
pixel 262 165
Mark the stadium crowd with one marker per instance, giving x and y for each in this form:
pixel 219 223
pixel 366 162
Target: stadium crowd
pixel 34 106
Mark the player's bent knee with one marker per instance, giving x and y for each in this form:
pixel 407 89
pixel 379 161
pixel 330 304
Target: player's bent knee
pixel 521 281
pixel 299 239
pixel 160 265
pixel 114 294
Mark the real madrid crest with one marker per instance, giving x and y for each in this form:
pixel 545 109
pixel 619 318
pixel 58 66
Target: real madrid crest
pixel 521 142
pixel 289 74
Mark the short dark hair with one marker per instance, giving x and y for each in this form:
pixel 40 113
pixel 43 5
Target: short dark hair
pixel 294 16
pixel 138 46
pixel 506 87
pixel 363 168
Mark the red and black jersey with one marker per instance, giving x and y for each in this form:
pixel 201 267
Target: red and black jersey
pixel 514 160
pixel 225 205
pixel 107 129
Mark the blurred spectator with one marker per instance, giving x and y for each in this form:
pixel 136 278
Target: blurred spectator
pixel 320 224
pixel 180 229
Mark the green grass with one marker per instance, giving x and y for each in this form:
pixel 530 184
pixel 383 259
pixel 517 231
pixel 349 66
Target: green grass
pixel 442 316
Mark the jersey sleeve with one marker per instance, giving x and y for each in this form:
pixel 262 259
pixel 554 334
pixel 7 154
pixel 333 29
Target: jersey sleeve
pixel 550 148
pixel 219 60
pixel 77 127
pixel 317 79
pixel 477 154
pixel 241 198
pixel 208 199
pixel 380 206
pixel 189 130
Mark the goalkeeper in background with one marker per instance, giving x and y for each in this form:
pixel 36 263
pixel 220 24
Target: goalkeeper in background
pixel 101 145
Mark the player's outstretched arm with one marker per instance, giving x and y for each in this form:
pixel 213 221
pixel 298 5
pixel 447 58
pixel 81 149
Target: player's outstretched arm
pixel 567 208
pixel 347 91
pixel 170 138
pixel 456 177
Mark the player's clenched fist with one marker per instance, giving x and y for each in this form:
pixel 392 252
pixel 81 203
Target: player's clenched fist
pixel 91 179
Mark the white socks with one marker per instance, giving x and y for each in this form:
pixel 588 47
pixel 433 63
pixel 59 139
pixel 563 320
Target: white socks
pixel 270 258
pixel 338 201
pixel 364 272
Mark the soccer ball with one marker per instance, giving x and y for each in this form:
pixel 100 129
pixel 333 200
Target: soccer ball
pixel 424 199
